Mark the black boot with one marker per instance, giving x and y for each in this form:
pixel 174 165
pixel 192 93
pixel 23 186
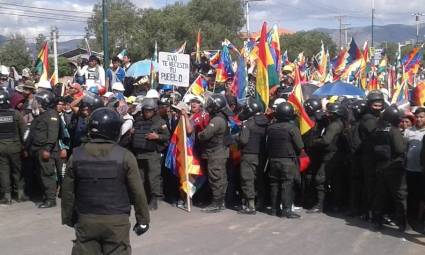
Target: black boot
pixel 153 204
pixel 249 209
pixel 288 213
pixel 274 191
pixel 214 207
pixel 315 209
pixel 47 204
pixel 7 199
pixel 21 197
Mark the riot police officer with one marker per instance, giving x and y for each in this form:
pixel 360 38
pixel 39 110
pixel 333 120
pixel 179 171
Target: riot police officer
pixel 328 144
pixel 284 145
pixel 43 136
pixel 150 138
pixel 389 149
pixel 215 141
pixel 101 178
pixel 12 130
pixel 368 123
pixel 252 140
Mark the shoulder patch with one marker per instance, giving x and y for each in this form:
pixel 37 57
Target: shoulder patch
pixel 54 118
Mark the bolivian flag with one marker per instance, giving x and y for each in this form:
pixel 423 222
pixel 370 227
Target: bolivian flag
pixel 42 63
pixel 266 71
pixel 297 100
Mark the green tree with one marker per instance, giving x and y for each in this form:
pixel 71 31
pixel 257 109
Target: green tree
pixel 64 67
pixel 307 42
pixel 15 52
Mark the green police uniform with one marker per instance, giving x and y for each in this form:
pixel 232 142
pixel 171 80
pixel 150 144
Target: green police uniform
pixel 216 153
pixel 284 144
pixel 389 151
pixel 12 129
pixel 100 180
pixel 43 136
pixel 148 152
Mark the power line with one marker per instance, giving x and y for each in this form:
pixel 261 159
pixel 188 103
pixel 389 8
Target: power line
pixel 45 13
pixel 40 8
pixel 40 17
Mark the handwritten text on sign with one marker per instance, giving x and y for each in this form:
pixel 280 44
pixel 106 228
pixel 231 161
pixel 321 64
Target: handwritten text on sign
pixel 174 69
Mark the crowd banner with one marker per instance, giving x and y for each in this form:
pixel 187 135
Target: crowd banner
pixel 174 69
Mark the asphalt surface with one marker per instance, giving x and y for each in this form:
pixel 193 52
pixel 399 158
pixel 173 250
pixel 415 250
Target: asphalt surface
pixel 25 229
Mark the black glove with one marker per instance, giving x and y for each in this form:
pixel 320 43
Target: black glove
pixel 140 229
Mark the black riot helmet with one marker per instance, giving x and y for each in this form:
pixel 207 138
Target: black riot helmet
pixel 149 104
pixel 93 101
pixel 46 99
pixel 284 112
pixel 104 123
pixel 4 99
pixel 312 105
pixel 358 107
pixel 392 115
pixel 374 96
pixel 216 103
pixel 335 109
pixel 250 109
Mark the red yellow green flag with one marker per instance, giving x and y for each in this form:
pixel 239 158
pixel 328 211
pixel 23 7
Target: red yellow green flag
pixel 42 63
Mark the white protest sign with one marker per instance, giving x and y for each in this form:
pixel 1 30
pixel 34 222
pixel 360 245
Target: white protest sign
pixel 174 69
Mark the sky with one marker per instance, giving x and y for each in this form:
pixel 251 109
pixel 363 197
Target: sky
pixel 293 15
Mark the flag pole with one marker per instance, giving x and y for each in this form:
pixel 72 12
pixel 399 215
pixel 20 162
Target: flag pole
pixel 188 202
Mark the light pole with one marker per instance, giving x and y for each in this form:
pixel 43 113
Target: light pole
pixel 373 19
pixel 247 13
pixel 417 16
pixel 105 35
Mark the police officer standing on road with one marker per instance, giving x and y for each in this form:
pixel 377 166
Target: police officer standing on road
pixel 389 151
pixel 284 145
pixel 252 139
pixel 368 124
pixel 12 130
pixel 43 136
pixel 328 144
pixel 215 141
pixel 150 138
pixel 101 178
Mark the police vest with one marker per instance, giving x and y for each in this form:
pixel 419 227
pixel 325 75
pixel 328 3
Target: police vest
pixel 141 129
pixel 382 143
pixel 279 141
pixel 219 140
pixel 8 129
pixel 101 183
pixel 257 138
pixel 93 73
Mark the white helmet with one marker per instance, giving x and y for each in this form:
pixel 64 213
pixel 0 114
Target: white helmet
pixel 44 84
pixel 118 86
pixel 152 93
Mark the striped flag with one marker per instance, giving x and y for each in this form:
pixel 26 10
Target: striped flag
pixel 42 63
pixel 182 162
pixel 224 70
pixel 419 94
pixel 297 100
pixel 240 82
pixel 199 86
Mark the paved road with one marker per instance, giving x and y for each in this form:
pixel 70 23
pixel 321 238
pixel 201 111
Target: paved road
pixel 25 230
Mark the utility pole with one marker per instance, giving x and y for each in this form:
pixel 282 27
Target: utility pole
pixel 247 13
pixel 417 17
pixel 346 28
pixel 55 37
pixel 105 35
pixel 339 18
pixel 373 20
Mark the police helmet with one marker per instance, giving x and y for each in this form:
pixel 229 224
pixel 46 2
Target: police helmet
pixel 392 115
pixel 216 103
pixel 375 95
pixel 358 107
pixel 4 99
pixel 284 112
pixel 336 109
pixel 104 123
pixel 312 105
pixel 45 98
pixel 250 109
pixel 149 104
